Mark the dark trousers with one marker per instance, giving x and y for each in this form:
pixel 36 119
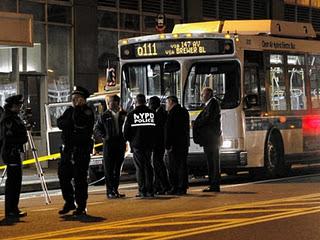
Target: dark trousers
pixel 13 188
pixel 144 170
pixel 178 171
pixel 113 156
pixel 161 181
pixel 213 161
pixel 74 164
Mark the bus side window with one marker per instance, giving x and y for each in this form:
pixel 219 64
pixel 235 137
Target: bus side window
pixel 314 75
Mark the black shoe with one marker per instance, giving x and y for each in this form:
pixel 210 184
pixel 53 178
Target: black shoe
pixel 181 192
pixel 162 192
pixel 79 212
pixel 119 195
pixel 18 214
pixel 67 208
pixel 212 189
pixel 141 195
pixel 149 195
pixel 172 192
pixel 112 195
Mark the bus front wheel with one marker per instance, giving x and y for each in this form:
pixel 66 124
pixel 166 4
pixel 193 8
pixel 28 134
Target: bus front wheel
pixel 274 163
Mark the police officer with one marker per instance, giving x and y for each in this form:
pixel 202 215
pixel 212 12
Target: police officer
pixel 109 127
pixel 161 181
pixel 76 124
pixel 13 135
pixel 177 144
pixel 207 133
pixel 140 130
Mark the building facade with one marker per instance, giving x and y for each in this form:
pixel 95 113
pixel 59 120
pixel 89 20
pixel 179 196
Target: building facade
pixel 76 40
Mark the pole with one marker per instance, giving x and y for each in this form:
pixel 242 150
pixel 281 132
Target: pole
pixel 39 168
pixel 3 175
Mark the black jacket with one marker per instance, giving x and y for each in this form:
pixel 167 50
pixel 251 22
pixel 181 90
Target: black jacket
pixel 76 124
pixel 177 130
pixel 207 126
pixel 13 135
pixel 161 116
pixel 140 128
pixel 105 125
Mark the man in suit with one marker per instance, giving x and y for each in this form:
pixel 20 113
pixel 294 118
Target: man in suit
pixel 206 133
pixel 109 127
pixel 161 181
pixel 177 141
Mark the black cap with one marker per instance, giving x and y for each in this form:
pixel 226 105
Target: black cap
pixel 81 91
pixel 15 99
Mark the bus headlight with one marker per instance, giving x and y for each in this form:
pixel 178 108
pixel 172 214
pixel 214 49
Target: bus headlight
pixel 230 143
pixel 227 144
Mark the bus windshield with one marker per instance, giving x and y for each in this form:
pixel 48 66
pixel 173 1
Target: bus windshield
pixel 222 77
pixel 152 79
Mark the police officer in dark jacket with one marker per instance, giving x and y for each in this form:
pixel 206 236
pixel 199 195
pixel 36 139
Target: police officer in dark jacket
pixel 76 124
pixel 161 181
pixel 13 136
pixel 140 131
pixel 177 144
pixel 207 133
pixel 109 127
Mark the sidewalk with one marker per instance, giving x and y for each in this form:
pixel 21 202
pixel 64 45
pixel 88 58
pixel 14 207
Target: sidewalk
pixel 31 181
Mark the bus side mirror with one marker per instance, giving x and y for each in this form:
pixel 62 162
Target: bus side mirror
pixel 251 101
pixel 111 77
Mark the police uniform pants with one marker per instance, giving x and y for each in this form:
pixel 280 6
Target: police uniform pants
pixel 178 171
pixel 113 160
pixel 213 161
pixel 144 170
pixel 161 181
pixel 77 170
pixel 13 188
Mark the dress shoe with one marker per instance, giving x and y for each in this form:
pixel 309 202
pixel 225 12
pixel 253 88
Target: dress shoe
pixel 67 208
pixel 172 192
pixel 162 192
pixel 149 195
pixel 111 195
pixel 141 195
pixel 79 212
pixel 212 189
pixel 181 192
pixel 18 214
pixel 119 195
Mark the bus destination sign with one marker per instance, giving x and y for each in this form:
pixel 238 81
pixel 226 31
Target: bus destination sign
pixel 177 47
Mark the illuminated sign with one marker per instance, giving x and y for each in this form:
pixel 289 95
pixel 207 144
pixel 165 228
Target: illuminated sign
pixel 278 45
pixel 177 47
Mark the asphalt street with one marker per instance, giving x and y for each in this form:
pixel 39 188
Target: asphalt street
pixel 287 208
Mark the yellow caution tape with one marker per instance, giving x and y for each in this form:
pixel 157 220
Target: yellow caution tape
pixel 45 158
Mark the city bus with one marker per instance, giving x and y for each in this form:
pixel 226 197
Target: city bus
pixel 265 73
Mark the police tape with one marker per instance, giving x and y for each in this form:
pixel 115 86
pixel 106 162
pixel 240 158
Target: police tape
pixel 45 158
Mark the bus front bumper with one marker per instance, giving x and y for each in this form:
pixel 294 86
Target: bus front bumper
pixel 228 160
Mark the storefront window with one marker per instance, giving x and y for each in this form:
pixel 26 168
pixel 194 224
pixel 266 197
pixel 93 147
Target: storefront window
pixel 36 9
pixel 107 54
pixel 129 21
pixel 59 62
pixel 8 6
pixel 5 60
pixel 59 14
pixel 8 86
pixel 107 19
